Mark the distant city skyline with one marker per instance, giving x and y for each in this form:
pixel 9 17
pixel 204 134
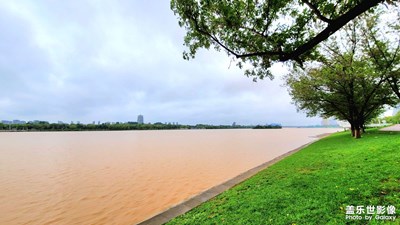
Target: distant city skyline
pixel 140 120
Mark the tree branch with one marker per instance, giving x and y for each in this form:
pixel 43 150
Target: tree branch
pixel 254 31
pixel 334 26
pixel 317 12
pixel 283 56
pixel 237 55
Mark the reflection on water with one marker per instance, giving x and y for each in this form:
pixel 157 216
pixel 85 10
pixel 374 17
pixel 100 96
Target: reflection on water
pixel 124 177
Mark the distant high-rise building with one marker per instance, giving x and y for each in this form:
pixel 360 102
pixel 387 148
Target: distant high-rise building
pixel 234 124
pixel 325 122
pixel 396 110
pixel 6 122
pixel 18 122
pixel 140 119
pixel 333 122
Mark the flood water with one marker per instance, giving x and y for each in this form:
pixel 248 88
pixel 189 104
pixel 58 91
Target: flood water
pixel 124 177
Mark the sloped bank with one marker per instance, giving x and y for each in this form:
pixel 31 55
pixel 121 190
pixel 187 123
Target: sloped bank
pixel 189 204
pixel 314 186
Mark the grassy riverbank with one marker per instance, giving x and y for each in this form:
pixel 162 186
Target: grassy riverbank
pixel 314 186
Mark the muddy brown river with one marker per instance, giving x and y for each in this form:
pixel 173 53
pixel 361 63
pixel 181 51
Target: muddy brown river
pixel 124 177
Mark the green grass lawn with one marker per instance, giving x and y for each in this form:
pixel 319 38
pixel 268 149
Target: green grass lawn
pixel 314 185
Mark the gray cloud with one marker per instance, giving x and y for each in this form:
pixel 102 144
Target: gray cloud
pixel 86 61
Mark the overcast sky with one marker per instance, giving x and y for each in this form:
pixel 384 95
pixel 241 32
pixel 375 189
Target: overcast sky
pixel 80 60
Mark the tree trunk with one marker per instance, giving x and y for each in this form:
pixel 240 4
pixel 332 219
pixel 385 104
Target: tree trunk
pixel 352 130
pixel 357 133
pixel 357 130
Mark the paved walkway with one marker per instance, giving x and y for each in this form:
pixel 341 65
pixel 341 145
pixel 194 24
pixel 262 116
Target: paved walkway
pixel 392 128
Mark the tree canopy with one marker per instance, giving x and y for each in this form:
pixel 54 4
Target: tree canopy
pixel 349 92
pixel 344 82
pixel 262 32
pixel 345 90
pixel 382 45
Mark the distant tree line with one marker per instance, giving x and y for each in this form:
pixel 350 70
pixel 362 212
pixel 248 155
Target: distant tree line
pixel 268 127
pixel 46 126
